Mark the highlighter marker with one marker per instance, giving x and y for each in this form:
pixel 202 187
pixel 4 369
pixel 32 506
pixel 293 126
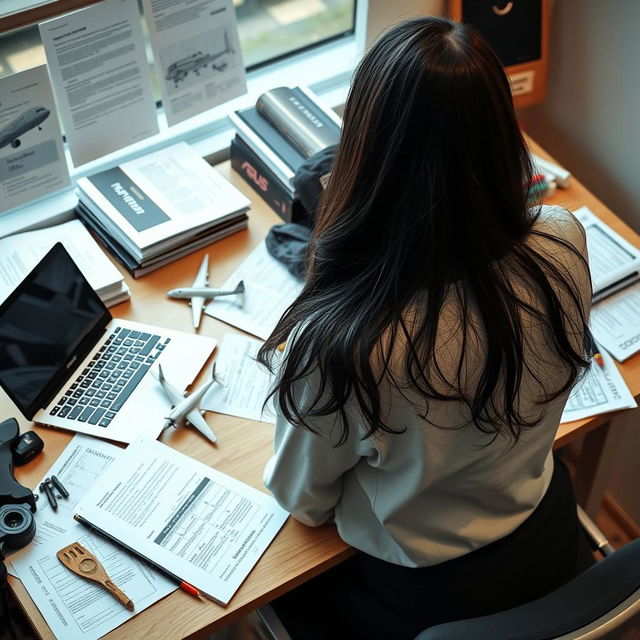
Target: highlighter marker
pixel 597 356
pixel 599 359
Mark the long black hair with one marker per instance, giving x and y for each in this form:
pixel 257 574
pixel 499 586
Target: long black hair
pixel 427 204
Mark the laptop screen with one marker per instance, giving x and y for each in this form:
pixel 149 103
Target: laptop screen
pixel 44 327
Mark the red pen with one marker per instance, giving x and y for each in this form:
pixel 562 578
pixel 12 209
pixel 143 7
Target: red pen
pixel 190 589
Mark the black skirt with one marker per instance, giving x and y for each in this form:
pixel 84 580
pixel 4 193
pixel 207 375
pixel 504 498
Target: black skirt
pixel 368 598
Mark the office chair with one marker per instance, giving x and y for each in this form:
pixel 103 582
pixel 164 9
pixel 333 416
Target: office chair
pixel 599 603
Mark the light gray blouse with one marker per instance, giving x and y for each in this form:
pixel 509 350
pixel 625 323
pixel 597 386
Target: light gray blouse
pixel 427 494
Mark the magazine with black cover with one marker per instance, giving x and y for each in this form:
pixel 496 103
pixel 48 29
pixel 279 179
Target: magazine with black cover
pixel 155 202
pixel 137 268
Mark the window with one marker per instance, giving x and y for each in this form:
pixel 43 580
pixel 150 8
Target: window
pixel 324 47
pixel 269 30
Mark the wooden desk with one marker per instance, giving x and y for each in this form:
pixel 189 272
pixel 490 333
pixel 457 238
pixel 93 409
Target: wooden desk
pixel 298 552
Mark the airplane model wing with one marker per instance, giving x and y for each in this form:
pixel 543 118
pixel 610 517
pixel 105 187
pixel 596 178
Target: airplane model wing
pixel 196 419
pixel 185 407
pixel 197 302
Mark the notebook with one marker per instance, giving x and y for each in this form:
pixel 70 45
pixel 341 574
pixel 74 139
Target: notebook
pixel 65 362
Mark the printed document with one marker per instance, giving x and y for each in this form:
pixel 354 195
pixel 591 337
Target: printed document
pixel 76 608
pixel 32 160
pixel 600 391
pixel 197 54
pixel 269 290
pixel 613 262
pixel 100 77
pixel 245 384
pixel 201 525
pixel 615 322
pixel 21 252
pixel 80 464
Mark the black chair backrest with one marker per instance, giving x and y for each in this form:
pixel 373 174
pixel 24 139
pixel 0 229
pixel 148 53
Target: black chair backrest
pixel 588 597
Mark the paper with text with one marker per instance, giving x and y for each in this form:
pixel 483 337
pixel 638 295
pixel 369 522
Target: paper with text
pixel 199 524
pixel 245 383
pixel 21 252
pixel 615 322
pixel 600 391
pixel 611 257
pixel 80 464
pixel 197 55
pixel 78 609
pixel 32 160
pixel 269 290
pixel 100 77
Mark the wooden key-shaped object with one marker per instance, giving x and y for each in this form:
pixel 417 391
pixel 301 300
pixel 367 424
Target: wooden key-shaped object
pixel 76 558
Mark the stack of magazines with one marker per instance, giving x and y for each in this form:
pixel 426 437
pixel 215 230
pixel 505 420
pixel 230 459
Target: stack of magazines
pixel 160 207
pixel 287 126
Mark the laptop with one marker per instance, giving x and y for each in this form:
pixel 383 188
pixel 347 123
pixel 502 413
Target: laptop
pixel 66 362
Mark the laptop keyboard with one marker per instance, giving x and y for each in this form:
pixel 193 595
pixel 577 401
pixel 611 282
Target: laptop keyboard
pixel 100 391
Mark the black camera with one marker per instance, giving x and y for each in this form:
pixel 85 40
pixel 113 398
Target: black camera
pixel 17 503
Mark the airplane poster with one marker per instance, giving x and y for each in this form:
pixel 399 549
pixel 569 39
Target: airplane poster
pixel 197 55
pixel 32 159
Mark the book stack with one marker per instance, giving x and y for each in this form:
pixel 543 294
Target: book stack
pixel 160 207
pixel 21 252
pixel 286 126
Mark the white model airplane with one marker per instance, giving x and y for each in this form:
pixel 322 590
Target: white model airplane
pixel 199 292
pixel 185 408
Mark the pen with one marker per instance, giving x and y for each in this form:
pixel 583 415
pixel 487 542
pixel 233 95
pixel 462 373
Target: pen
pixel 182 584
pixel 597 356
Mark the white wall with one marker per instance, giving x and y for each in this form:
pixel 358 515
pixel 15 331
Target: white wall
pixel 591 118
pixel 591 123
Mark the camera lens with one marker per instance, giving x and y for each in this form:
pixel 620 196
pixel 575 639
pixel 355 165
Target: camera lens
pixel 14 519
pixel 17 525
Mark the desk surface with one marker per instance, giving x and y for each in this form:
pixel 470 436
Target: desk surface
pixel 298 552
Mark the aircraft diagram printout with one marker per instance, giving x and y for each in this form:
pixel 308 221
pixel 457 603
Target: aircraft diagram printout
pixel 32 160
pixel 101 78
pixel 197 54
